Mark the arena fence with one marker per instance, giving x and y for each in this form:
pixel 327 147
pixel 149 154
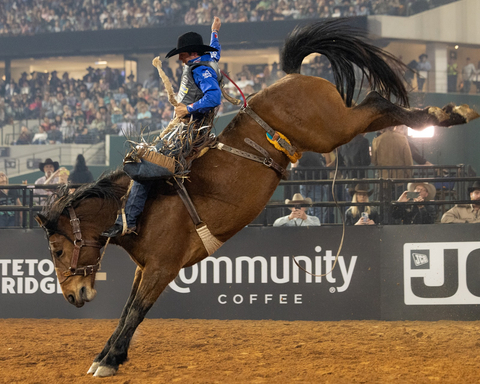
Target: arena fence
pixel 451 183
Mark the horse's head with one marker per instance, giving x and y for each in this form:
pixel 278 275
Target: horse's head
pixel 73 223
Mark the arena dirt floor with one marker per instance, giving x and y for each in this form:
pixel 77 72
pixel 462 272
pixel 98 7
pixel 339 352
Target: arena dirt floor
pixel 212 351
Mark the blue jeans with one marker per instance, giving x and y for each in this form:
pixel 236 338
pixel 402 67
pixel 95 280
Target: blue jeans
pixel 135 203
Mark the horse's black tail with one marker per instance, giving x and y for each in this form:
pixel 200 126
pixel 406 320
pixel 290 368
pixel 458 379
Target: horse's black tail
pixel 343 46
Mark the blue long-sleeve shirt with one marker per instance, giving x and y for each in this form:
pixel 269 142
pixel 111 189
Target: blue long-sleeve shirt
pixel 206 79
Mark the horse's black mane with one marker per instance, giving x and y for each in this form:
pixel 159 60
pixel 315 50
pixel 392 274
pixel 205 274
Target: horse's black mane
pixel 106 188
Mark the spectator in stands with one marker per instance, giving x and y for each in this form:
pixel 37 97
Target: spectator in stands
pixel 143 112
pixel 54 136
pixel 131 84
pixel 391 149
pixel 151 82
pixel 476 79
pixel 298 217
pixel 58 102
pixel 452 75
pixel 97 127
pixel 416 214
pixel 468 74
pixel 423 67
pixel 8 197
pixel 35 108
pixel 25 136
pixel 465 213
pixel 120 94
pixel 11 89
pixel 84 136
pixel 50 169
pixel 356 153
pixel 40 137
pixel 361 215
pixel 46 124
pixel 67 129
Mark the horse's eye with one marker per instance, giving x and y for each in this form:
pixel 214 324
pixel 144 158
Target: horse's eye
pixel 58 254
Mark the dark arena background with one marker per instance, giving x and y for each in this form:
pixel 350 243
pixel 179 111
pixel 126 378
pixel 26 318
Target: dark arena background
pixel 402 303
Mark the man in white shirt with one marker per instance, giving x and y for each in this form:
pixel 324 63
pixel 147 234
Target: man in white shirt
pixel 298 217
pixel 50 168
pixel 468 72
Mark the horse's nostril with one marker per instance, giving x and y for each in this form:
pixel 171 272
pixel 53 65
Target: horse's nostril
pixel 83 293
pixel 71 299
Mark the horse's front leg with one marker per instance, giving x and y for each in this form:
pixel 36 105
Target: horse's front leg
pixel 121 322
pixel 152 284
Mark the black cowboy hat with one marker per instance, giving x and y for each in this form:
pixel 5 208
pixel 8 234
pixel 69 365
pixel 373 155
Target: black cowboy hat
pixel 423 55
pixel 362 188
pixel 131 76
pixel 190 42
pixel 475 185
pixel 48 161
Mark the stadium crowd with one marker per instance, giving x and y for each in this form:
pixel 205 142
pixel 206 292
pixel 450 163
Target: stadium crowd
pixel 28 17
pixel 103 102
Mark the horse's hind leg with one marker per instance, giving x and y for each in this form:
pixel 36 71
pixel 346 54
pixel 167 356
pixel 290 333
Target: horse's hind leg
pixel 386 114
pixel 152 283
pixel 121 323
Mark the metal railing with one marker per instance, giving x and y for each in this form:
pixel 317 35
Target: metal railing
pixel 450 190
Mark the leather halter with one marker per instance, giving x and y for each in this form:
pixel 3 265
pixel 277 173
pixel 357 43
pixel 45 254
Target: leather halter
pixel 79 243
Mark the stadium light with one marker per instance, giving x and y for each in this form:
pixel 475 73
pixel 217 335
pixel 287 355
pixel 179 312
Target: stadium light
pixel 424 133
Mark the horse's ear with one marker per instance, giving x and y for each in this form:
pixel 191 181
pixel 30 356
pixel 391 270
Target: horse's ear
pixel 40 219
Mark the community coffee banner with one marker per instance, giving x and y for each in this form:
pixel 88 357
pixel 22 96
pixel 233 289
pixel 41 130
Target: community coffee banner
pixel 253 276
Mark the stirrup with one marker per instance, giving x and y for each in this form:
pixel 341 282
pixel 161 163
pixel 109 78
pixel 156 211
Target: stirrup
pixel 117 229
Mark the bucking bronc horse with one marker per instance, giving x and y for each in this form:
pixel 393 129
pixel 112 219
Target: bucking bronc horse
pixel 229 191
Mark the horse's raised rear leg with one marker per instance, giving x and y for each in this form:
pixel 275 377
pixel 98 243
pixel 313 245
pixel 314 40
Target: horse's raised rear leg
pixel 121 322
pixel 153 282
pixel 386 114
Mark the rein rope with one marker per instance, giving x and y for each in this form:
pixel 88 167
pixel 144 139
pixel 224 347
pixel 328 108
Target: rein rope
pixel 343 227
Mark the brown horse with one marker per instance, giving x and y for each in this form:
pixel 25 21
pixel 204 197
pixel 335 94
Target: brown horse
pixel 228 191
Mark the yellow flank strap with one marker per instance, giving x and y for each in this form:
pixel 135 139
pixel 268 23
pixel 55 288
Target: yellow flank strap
pixel 278 147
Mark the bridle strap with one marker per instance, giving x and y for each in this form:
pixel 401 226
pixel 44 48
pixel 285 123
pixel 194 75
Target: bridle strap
pixel 78 243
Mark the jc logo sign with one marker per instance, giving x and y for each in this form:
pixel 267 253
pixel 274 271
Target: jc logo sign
pixel 442 273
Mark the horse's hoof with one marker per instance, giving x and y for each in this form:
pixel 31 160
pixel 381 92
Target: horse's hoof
pixel 93 368
pixel 466 112
pixel 105 371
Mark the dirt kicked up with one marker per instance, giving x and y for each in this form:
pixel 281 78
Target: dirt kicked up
pixel 220 351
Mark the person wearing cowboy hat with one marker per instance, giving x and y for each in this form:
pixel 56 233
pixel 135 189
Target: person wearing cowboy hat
pixel 416 214
pixel 198 95
pixel 199 91
pixel 298 217
pixel 465 213
pixel 361 215
pixel 50 169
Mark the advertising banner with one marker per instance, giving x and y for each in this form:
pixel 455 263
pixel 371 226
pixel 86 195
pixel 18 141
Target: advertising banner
pixel 430 272
pixel 253 276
